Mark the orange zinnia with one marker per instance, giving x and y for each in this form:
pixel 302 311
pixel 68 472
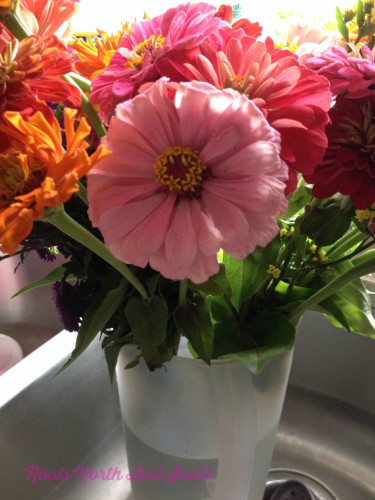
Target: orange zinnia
pixel 36 172
pixel 94 53
pixel 32 69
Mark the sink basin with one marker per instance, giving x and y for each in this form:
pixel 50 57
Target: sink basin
pixel 59 423
pixel 326 437
pixel 29 318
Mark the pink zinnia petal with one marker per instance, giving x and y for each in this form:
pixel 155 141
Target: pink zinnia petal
pixel 294 99
pixel 188 198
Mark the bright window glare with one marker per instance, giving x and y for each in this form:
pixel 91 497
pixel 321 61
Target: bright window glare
pixel 108 15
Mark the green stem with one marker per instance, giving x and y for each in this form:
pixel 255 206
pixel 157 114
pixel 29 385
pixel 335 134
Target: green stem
pixel 81 81
pixel 347 242
pixel 364 264
pixel 60 219
pixel 82 193
pixel 16 25
pixel 182 292
pixel 89 109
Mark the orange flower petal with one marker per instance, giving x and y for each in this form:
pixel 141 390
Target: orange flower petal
pixel 36 173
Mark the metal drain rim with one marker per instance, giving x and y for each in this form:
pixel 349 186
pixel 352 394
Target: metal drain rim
pixel 315 486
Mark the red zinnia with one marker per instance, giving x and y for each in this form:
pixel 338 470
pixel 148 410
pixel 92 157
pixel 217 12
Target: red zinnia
pixel 33 68
pixel 349 163
pixel 294 99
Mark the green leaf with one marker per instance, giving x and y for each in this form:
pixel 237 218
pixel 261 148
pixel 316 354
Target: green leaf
pixel 273 334
pixel 350 307
pixel 148 320
pixel 325 225
pixel 97 316
pixel 222 311
pixel 218 284
pixel 133 363
pixel 343 29
pixel 193 320
pixel 111 353
pixel 360 14
pixel 57 274
pixel 246 277
pixel 152 283
pixel 298 200
pixel 299 239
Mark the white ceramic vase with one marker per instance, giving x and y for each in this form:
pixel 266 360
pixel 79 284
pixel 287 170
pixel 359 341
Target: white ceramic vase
pixel 200 432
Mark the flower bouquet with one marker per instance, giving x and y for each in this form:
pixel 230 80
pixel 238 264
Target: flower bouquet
pixel 196 178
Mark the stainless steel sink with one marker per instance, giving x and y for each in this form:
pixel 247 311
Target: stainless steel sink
pixel 31 318
pixel 326 437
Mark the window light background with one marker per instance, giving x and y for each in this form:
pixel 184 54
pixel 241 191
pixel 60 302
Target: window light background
pixel 109 14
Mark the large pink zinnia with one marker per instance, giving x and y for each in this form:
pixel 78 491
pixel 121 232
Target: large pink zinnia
pixel 349 163
pixel 178 31
pixel 188 175
pixel 294 99
pixel 352 74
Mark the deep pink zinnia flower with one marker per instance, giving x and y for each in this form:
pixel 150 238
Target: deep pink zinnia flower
pixel 349 163
pixel 178 31
pixel 352 74
pixel 188 175
pixel 294 99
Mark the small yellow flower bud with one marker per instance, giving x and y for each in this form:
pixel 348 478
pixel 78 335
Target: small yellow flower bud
pixel 283 232
pixel 274 271
pixel 362 215
pixel 323 256
pixel 313 248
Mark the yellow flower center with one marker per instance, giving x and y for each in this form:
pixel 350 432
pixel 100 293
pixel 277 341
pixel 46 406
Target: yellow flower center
pixel 180 170
pixel 17 177
pixel 152 44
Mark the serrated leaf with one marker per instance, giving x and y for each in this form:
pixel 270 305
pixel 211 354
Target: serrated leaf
pixel 218 284
pixel 148 321
pixel 246 277
pixel 96 317
pixel 222 311
pixel 273 333
pixel 325 225
pixel 193 320
pixel 57 274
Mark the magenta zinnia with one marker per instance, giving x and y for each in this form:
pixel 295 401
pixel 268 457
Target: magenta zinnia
pixel 188 175
pixel 353 73
pixel 178 31
pixel 349 163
